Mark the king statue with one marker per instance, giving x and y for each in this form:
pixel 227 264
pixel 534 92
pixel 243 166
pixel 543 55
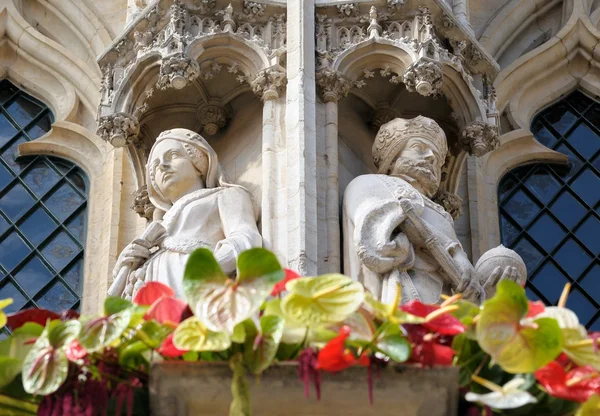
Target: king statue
pixel 396 236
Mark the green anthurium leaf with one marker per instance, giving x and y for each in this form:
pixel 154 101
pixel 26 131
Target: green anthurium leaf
pixel 360 323
pixel 191 356
pixel 239 333
pixel 384 312
pixel 322 300
pixel 132 355
pixel 466 311
pixel 114 305
pixel 395 346
pixel 62 334
pixel 45 367
pixel 221 303
pixel 100 332
pixel 581 353
pixel 10 406
pixel 153 334
pixel 18 344
pixel 590 408
pixel 515 347
pixel 260 347
pixel 9 368
pixel 193 335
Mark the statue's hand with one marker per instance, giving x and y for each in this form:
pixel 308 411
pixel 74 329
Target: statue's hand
pixel 469 286
pixel 132 256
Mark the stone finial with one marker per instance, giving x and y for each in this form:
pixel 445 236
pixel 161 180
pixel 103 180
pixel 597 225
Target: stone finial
pixel 479 138
pixel 268 83
pixel 228 23
pixel 332 85
pixel 425 77
pixel 118 129
pixel 177 72
pixel 141 203
pixel 451 203
pixel 212 118
pixel 374 28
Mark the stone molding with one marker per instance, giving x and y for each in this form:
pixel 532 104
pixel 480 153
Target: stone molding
pixel 212 118
pixel 177 72
pixel 141 203
pixel 479 138
pixel 425 77
pixel 332 85
pixel 268 83
pixel 118 129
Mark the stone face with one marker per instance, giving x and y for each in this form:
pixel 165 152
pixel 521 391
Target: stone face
pixel 185 389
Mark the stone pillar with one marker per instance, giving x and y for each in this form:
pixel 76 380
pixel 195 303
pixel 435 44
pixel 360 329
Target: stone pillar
pixel 332 87
pixel 301 138
pixel 461 11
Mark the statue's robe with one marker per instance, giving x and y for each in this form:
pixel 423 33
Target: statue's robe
pixel 214 218
pixel 419 274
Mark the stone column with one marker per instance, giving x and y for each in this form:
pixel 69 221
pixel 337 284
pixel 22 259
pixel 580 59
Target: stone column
pixel 332 87
pixel 301 138
pixel 461 11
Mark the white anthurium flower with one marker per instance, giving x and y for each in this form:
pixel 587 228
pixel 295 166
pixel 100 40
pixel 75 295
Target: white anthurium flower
pixel 506 397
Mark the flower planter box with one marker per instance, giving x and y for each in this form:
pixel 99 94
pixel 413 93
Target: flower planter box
pixel 186 389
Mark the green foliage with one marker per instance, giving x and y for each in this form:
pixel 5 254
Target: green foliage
pixel 192 335
pixel 98 333
pixel 261 346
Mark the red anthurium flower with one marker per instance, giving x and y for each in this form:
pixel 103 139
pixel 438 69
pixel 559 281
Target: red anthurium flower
pixel 336 357
pixel 151 292
pixel 428 349
pixel 38 316
pixel 75 351
pixel 577 385
pixel 445 324
pixel 168 349
pixel 280 286
pixel 166 310
pixel 535 308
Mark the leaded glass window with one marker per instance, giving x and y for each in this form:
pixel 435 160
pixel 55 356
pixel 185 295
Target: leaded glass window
pixel 549 214
pixel 42 212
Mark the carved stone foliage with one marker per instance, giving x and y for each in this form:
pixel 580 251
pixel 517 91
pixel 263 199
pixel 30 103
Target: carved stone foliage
pixel 451 203
pixel 479 138
pixel 118 129
pixel 268 83
pixel 212 118
pixel 177 72
pixel 395 4
pixel 424 77
pixel 141 203
pixel 332 85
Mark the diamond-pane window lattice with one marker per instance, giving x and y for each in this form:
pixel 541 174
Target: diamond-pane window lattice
pixel 550 214
pixel 42 212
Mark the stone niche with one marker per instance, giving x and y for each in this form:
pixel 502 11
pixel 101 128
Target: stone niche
pixel 184 389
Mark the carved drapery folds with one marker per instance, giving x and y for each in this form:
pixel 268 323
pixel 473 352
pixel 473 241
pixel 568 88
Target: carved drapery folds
pixel 177 72
pixel 268 83
pixel 425 77
pixel 479 138
pixel 141 203
pixel 118 129
pixel 332 85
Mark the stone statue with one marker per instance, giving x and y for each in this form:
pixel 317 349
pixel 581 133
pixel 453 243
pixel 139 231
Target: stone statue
pixel 202 209
pixel 394 234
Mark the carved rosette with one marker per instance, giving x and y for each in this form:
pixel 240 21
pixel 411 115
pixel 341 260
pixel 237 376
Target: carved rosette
pixel 118 129
pixel 425 77
pixel 141 203
pixel 212 118
pixel 177 72
pixel 451 203
pixel 332 85
pixel 268 83
pixel 479 138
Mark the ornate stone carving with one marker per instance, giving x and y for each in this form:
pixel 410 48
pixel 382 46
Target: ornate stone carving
pixel 382 116
pixel 228 23
pixel 141 203
pixel 118 129
pixel 268 83
pixel 204 6
pixel 451 203
pixel 212 119
pixel 253 10
pixel 425 77
pixel 202 209
pixel 177 72
pixel 332 85
pixel 323 32
pixel 395 4
pixel 479 138
pixel 347 10
pixel 397 236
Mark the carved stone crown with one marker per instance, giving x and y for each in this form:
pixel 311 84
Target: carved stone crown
pixel 392 137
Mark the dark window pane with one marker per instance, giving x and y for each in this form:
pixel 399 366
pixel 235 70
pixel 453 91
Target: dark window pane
pixel 593 114
pixel 58 298
pixel 77 180
pixel 531 255
pixel 77 226
pixel 3 225
pixel 549 281
pixel 507 184
pixel 74 276
pixel 579 101
pixel 546 232
pixel 5 177
pixel 8 290
pixel 590 282
pixel 64 201
pixel 7 130
pixel 544 136
pixel 572 258
pixel 589 234
pixel 560 117
pixel 23 110
pixel 587 186
pixel 595 327
pixel 568 210
pixel 509 231
pixel 11 153
pixel 40 128
pixel 40 178
pixel 584 309
pixel 16 202
pixel 37 226
pixel 7 90
pixel 33 276
pixel 575 162
pixel 12 251
pixel 521 208
pixel 584 140
pixel 542 184
pixel 60 250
